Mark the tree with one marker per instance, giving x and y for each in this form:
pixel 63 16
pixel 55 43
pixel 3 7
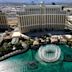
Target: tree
pixel 5 45
pixel 68 10
pixel 18 45
pixel 53 3
pixel 62 7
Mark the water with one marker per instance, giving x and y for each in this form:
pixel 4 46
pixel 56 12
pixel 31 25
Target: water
pixel 19 63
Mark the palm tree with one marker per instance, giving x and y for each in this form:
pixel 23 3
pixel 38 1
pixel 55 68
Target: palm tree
pixel 5 45
pixel 67 41
pixel 18 45
pixel 62 7
pixel 49 40
pixel 68 10
pixel 53 3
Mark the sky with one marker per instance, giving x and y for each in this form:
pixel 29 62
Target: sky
pixel 37 1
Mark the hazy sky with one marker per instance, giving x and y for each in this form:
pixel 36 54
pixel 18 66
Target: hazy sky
pixel 46 1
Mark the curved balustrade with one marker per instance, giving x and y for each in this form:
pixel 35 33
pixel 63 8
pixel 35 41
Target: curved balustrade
pixel 49 53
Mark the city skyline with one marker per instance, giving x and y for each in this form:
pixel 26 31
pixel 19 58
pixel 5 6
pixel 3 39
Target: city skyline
pixel 36 1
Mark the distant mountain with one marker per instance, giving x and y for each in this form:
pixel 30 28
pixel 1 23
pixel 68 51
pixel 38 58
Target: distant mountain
pixel 36 1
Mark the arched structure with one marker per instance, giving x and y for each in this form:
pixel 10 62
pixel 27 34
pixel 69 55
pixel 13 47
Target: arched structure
pixel 49 53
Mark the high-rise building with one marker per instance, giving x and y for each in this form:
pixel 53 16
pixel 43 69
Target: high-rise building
pixel 41 16
pixel 10 12
pixel 3 21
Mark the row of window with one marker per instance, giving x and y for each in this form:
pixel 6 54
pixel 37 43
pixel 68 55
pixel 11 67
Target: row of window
pixel 42 19
pixel 3 20
pixel 40 10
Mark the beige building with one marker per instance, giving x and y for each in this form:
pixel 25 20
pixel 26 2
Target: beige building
pixel 41 16
pixel 12 22
pixel 3 20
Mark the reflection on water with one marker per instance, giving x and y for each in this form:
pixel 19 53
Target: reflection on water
pixel 15 64
pixel 18 63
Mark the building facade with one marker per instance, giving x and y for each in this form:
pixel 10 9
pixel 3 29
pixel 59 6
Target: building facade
pixel 41 16
pixel 3 21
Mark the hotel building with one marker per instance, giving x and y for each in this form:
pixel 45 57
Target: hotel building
pixel 41 16
pixel 3 21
